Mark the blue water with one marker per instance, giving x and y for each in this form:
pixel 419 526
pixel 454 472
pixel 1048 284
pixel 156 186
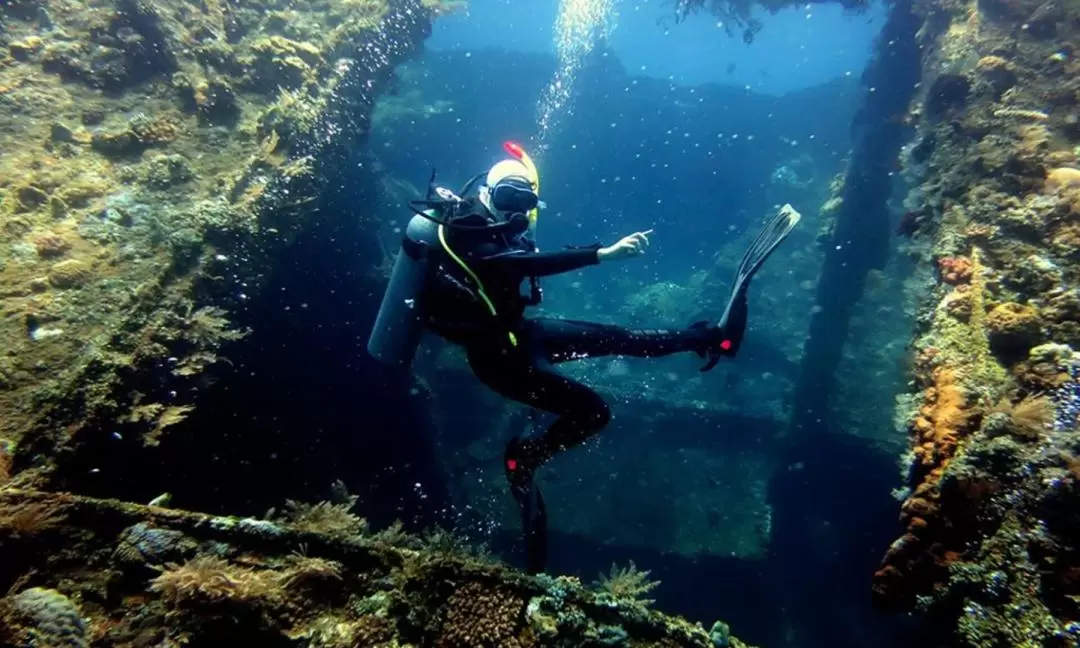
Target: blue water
pixel 798 48
pixel 698 136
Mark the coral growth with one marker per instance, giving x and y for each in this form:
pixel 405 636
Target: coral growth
pixel 132 177
pixel 71 273
pixel 49 246
pixel 42 617
pixel 29 520
pixel 955 270
pixel 249 581
pixel 333 518
pixel 1029 419
pixel 990 517
pixel 209 579
pixel 1062 178
pixel 475 615
pixel 1014 326
pixel 628 584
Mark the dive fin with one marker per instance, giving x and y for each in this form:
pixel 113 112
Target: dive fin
pixel 714 357
pixel 772 233
pixel 519 476
pixel 733 322
pixel 534 523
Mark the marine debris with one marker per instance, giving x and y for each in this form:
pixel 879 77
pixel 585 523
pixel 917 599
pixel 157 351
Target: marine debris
pixel 991 533
pixel 108 573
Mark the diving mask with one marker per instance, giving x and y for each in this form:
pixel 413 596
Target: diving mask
pixel 514 194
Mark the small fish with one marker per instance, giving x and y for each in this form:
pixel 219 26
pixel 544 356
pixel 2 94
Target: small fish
pixel 161 500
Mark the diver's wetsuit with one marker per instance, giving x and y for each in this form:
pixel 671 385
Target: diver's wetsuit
pixel 525 371
pixel 527 374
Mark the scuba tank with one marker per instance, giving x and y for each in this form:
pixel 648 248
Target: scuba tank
pixel 400 322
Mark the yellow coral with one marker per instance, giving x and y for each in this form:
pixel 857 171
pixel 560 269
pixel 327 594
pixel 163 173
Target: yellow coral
pixel 325 517
pixel 209 579
pixel 28 519
pixel 71 273
pixel 1062 178
pixel 1012 325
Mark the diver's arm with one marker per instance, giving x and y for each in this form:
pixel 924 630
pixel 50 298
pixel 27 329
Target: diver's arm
pixel 538 264
pixel 545 264
pixel 626 247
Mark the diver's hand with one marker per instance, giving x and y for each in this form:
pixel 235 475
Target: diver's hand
pixel 629 246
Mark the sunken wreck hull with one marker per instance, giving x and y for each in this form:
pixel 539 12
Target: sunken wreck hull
pixel 164 161
pixel 108 573
pixel 989 546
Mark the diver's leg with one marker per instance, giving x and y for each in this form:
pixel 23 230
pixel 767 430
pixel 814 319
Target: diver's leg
pixel 563 340
pixel 529 379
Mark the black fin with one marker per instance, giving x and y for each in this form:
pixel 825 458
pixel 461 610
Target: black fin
pixel 534 520
pixel 772 233
pixel 733 321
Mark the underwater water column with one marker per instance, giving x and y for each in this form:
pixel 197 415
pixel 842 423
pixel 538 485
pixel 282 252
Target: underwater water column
pixel 860 239
pixel 578 26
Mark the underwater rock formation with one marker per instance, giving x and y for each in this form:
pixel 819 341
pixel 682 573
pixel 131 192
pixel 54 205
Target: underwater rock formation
pixel 989 546
pixel 81 571
pixel 158 155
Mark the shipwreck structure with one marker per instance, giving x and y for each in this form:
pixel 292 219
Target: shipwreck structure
pixel 173 171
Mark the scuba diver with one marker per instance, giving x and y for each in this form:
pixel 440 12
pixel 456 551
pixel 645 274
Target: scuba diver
pixel 459 274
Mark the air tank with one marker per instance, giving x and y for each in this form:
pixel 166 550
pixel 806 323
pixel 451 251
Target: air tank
pixel 400 322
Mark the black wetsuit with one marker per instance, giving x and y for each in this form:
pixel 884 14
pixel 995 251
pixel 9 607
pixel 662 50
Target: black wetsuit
pixel 516 355
pixel 525 372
